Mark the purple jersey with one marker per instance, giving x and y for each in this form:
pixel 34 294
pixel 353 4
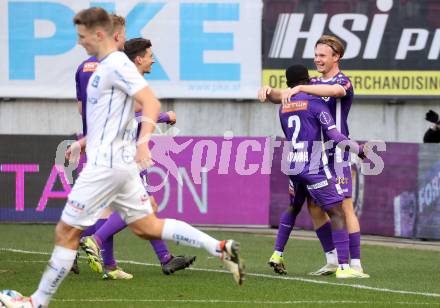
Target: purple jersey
pixel 82 76
pixel 339 109
pixel 302 120
pixel 339 106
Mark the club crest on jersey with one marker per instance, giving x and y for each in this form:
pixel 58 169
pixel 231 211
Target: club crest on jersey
pixel 90 67
pixel 324 118
pixel 295 106
pixel 95 81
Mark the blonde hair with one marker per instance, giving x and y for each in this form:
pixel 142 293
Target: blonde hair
pixel 118 21
pixel 334 43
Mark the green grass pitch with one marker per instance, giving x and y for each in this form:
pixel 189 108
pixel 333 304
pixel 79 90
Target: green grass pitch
pixel 400 277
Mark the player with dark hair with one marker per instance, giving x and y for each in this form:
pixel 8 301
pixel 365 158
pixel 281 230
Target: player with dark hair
pixel 337 90
pixel 139 52
pixel 304 119
pixel 111 178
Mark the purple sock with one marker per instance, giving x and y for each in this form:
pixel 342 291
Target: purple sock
pixel 89 231
pixel 106 246
pixel 161 250
pixel 113 225
pixel 355 245
pixel 287 221
pixel 340 238
pixel 324 234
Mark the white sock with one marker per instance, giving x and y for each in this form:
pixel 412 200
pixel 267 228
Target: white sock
pixel 331 257
pixel 279 253
pixel 344 266
pixel 355 263
pixel 57 269
pixel 183 233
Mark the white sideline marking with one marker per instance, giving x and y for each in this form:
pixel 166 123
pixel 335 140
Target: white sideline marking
pixel 356 286
pixel 218 301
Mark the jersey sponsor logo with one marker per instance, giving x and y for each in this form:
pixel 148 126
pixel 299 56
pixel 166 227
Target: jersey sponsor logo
pixel 295 106
pixel 95 81
pixel 90 67
pixel 324 118
pixel 318 185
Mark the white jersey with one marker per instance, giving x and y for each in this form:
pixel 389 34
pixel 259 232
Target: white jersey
pixel 111 126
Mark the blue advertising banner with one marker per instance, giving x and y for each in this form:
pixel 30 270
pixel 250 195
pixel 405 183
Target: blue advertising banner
pixel 202 49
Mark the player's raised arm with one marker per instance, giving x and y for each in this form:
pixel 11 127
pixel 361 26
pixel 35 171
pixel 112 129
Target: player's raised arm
pixel 334 90
pixel 324 90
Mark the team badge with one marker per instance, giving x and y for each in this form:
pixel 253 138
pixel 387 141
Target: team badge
pixel 95 81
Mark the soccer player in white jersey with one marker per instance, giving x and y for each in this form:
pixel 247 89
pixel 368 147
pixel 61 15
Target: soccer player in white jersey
pixel 337 89
pixel 112 174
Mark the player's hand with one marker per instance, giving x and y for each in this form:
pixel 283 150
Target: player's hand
pixel 143 157
pixel 172 116
pixel 73 152
pixel 263 93
pixel 286 94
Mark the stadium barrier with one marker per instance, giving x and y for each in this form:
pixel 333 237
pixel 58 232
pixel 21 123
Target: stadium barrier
pixel 403 200
pixel 34 185
pixel 228 181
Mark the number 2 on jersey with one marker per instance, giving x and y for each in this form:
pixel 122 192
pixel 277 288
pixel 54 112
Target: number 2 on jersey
pixel 296 145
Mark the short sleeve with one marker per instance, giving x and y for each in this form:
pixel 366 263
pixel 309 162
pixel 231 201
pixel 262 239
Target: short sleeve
pixel 345 82
pixel 78 83
pixel 128 79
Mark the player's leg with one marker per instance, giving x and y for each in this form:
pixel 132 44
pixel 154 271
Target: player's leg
pixel 354 234
pixel 329 196
pixel 96 261
pixel 135 208
pixel 340 234
pixel 88 194
pixel 168 262
pixel 323 229
pixel 297 194
pixel 342 168
pixel 63 256
pixel 353 225
pixel 151 227
pixel 109 224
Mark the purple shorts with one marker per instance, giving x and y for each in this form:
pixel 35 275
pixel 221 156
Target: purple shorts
pixel 325 192
pixel 341 170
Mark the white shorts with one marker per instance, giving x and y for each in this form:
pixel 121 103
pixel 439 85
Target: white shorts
pixel 99 187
